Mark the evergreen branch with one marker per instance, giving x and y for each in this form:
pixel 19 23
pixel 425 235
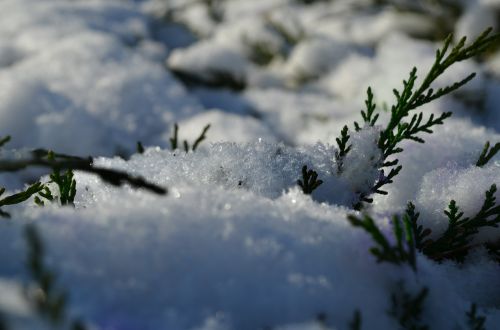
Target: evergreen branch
pixel 66 185
pixel 419 233
pixel 356 321
pixel 487 154
pixel 111 176
pixel 201 137
pixel 411 97
pixel 19 197
pixel 3 322
pixel 50 154
pixel 260 52
pixel 174 140
pixel 343 148
pixel 455 242
pixel 369 117
pixel 342 142
pixel 407 309
pixel 475 321
pixel 382 181
pixel 46 194
pixel 409 131
pixel 401 253
pixel 50 302
pixel 139 147
pixel 4 140
pixel 309 181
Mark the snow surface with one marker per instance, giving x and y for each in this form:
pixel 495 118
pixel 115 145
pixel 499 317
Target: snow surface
pixel 236 244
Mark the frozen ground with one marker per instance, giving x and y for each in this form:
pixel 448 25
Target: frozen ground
pixel 236 244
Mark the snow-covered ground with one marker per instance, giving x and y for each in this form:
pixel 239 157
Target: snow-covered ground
pixel 236 244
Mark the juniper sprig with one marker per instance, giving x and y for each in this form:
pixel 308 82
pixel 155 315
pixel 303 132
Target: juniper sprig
pixel 174 140
pixel 343 148
pixel 66 184
pixel 19 197
pixel 407 309
pixel 49 301
pixel 356 321
pixel 309 181
pixel 419 233
pixel 139 147
pixel 369 116
pixel 404 123
pixel 200 138
pixel 64 162
pixel 382 181
pixel 412 97
pixel 455 242
pixel 475 321
pixel 403 252
pixel 4 140
pixel 487 154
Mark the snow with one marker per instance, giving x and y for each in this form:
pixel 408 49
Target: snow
pixel 236 244
pixel 88 84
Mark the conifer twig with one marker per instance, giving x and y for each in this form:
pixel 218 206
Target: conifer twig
pixel 403 252
pixel 309 181
pixel 403 123
pixel 475 321
pixel 487 154
pixel 111 176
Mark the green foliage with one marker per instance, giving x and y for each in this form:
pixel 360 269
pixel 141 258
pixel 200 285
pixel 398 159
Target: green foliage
pixel 46 194
pixel 343 148
pixel 403 123
pixel 402 252
pixel 261 52
pixel 356 322
pixel 487 154
pixel 49 301
pixel 419 233
pixel 475 321
pixel 382 181
pixel 3 322
pixel 200 138
pixel 4 140
pixel 369 116
pixel 174 140
pixel 65 184
pixel 214 79
pixel 455 242
pixel 18 197
pixel 407 308
pixel 65 162
pixel 139 147
pixel 309 181
pixel 412 97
